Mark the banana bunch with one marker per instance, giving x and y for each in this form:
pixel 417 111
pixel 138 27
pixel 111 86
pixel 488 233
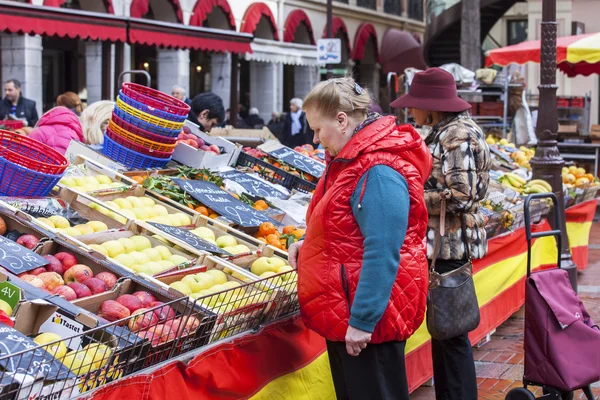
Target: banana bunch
pixel 513 181
pixel 537 186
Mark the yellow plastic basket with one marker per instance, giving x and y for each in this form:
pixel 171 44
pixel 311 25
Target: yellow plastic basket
pixel 147 143
pixel 147 117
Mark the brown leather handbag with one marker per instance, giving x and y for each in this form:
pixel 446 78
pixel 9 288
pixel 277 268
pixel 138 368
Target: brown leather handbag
pixel 452 307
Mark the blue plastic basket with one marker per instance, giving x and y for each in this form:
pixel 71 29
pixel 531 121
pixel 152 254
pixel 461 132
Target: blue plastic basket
pixel 19 181
pixel 130 158
pixel 159 130
pixel 151 110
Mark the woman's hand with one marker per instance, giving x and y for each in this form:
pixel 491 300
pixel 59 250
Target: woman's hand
pixel 356 340
pixel 293 253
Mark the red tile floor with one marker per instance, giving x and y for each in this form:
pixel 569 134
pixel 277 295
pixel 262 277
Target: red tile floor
pixel 499 363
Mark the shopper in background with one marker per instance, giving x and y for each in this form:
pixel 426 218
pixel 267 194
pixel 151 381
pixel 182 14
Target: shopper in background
pixel 57 128
pixel 362 266
pixel 296 130
pixel 71 101
pixel 207 111
pixel 460 175
pixel 94 121
pixel 239 122
pixel 276 124
pixel 180 93
pixel 254 121
pixel 17 106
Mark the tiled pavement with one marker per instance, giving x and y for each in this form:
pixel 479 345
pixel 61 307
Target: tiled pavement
pixel 499 363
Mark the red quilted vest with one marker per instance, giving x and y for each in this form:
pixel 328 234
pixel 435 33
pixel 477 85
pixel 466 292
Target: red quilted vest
pixel 331 257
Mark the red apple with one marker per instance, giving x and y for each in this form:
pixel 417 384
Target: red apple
pixel 154 340
pixel 215 148
pixel 205 148
pixel 78 273
pixel 192 143
pixel 96 285
pixel 113 311
pixel 181 136
pixel 33 280
pixel 66 292
pixel 164 333
pixel 51 280
pixel 164 313
pixel 35 271
pixel 109 278
pixel 131 302
pixel 145 297
pixel 190 324
pixel 54 264
pixel 80 289
pixel 68 260
pixel 200 142
pixel 142 319
pixel 186 129
pixel 28 241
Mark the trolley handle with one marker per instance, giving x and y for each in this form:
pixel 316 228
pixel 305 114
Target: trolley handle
pixel 134 72
pixel 533 235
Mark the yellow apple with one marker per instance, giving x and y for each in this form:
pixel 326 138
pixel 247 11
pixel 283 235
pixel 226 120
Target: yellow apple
pixel 114 248
pixel 80 180
pixel 90 187
pixel 162 210
pixel 147 201
pixel 119 218
pixel 226 241
pixel 264 264
pixel 195 283
pixel 219 276
pixel 100 249
pixel 153 268
pixel 58 350
pixel 126 259
pixel 70 182
pixel 103 179
pixel 128 244
pixel 184 219
pixel 151 212
pixel 79 362
pixel 141 242
pixel 4 306
pixel 123 203
pixel 153 254
pixel 284 268
pixel 209 280
pixel 84 229
pixel 128 213
pixel 100 354
pixel 97 226
pixel 140 257
pixel 113 205
pixel 135 201
pixel 72 232
pixel 160 238
pixel 59 222
pixel 166 264
pixel 46 222
pixel 177 259
pixel 182 287
pixel 92 179
pixel 141 214
pixel 204 233
pixel 164 252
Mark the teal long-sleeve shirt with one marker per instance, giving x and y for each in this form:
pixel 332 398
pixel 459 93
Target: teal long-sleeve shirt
pixel 383 219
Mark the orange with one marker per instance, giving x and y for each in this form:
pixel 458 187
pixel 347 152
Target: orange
pixel 283 244
pixel 138 179
pixel 273 240
pixel 202 210
pixel 213 216
pixel 260 205
pixel 289 229
pixel 266 228
pixel 298 233
pixel 262 239
pixel 276 164
pixel 235 195
pixel 589 176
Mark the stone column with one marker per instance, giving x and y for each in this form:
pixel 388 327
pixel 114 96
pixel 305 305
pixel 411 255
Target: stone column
pixel 22 60
pixel 93 71
pixel 220 75
pixel 173 69
pixel 305 77
pixel 264 88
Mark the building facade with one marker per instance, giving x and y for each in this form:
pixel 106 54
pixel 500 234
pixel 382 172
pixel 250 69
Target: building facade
pixel 282 63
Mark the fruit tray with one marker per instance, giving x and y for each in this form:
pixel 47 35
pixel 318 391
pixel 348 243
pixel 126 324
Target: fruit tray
pixel 19 228
pixel 82 171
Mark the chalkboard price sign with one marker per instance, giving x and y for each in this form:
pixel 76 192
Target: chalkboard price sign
pixel 223 203
pixel 189 238
pixel 253 185
pixel 18 259
pixel 300 161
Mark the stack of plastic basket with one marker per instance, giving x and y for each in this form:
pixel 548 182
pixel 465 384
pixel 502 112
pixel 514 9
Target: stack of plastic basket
pixel 142 132
pixel 28 167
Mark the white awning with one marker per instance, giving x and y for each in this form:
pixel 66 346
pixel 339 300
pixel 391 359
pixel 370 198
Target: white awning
pixel 282 52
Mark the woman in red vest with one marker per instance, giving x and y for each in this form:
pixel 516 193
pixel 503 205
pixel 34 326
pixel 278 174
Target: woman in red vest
pixel 460 175
pixel 362 266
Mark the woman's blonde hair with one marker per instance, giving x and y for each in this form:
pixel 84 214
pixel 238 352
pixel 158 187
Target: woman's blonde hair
pixel 92 119
pixel 71 101
pixel 339 95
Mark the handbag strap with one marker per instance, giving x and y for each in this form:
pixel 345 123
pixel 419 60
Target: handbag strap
pixel 437 244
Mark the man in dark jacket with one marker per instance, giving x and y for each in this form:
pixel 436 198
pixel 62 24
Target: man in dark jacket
pixel 16 105
pixel 207 111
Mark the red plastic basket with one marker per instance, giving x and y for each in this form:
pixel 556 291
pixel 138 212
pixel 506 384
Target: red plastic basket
pixel 135 147
pixel 31 154
pixel 143 133
pixel 155 98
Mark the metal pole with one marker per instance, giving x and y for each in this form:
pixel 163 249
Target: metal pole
pixel 547 163
pixel 329 33
pixel 233 103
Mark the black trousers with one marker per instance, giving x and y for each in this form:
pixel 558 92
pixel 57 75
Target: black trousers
pixel 378 372
pixel 453 365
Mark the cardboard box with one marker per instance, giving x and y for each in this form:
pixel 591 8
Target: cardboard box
pixel 567 129
pixel 230 131
pixel 595 132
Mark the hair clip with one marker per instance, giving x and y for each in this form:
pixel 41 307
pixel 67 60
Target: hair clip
pixel 358 89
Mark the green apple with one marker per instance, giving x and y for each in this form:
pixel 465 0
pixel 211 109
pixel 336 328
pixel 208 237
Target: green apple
pixel 177 259
pixel 226 241
pixel 204 233
pixel 164 252
pixel 166 264
pixel 285 268
pixel 153 254
pixel 219 276
pixel 208 279
pixel 112 204
pixel 267 274
pixel 140 257
pixel 97 226
pixel 70 182
pixel 59 222
pixel 80 180
pixel 141 242
pixel 153 267
pixel 161 219
pixel 160 238
pixel 152 213
pixel 239 249
pixel 128 244
pixel 72 232
pixel 173 219
pixel 135 201
pixel 264 264
pixel 4 306
pixel 126 259
pixel 103 179
pixel 195 283
pixel 161 210
pixel 123 203
pixel 184 219
pixel 140 213
pixel 182 287
pixel 92 179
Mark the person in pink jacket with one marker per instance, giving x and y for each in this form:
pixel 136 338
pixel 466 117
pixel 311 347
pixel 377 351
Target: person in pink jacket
pixel 57 128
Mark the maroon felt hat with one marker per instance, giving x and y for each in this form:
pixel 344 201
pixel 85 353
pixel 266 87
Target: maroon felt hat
pixel 432 90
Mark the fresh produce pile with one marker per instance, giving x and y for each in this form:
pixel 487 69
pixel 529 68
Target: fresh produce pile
pixel 62 224
pixel 196 142
pixel 265 172
pixel 268 233
pixel 91 183
pixel 142 208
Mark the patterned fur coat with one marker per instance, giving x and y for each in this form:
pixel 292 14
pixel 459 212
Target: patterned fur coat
pixel 461 164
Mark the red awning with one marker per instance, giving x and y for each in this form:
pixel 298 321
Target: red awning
pixel 58 3
pixel 203 8
pixel 364 33
pixel 52 21
pixel 139 8
pixel 253 15
pixel 292 23
pixel 337 25
pixel 180 36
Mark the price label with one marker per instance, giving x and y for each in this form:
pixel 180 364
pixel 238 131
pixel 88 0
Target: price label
pixel 189 238
pixel 10 293
pixel 18 259
pixel 300 161
pixel 64 327
pixel 223 203
pixel 253 185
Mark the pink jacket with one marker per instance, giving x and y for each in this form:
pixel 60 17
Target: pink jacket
pixel 57 128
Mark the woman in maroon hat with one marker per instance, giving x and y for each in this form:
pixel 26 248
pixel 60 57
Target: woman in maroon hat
pixel 460 175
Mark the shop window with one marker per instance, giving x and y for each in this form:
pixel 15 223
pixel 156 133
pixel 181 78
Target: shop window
pixel 73 4
pixel 392 7
pixel 372 4
pixel 517 31
pixel 415 9
pixel 342 1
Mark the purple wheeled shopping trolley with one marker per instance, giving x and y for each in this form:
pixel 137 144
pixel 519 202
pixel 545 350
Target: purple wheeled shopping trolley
pixel 562 343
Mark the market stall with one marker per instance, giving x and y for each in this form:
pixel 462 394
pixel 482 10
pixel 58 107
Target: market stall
pixel 160 264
